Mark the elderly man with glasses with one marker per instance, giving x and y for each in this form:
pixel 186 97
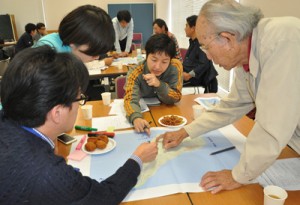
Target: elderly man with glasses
pixel 264 53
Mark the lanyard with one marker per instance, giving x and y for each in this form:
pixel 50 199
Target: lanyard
pixel 39 135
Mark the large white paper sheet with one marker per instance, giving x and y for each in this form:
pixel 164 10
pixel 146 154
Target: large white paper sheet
pixel 166 175
pixel 117 107
pixel 284 173
pixel 116 121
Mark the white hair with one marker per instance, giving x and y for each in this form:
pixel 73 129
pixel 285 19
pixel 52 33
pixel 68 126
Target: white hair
pixel 230 16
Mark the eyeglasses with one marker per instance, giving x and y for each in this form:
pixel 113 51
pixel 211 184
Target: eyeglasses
pixel 205 48
pixel 82 100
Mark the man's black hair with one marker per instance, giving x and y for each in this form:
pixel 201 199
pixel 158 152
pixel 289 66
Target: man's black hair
pixel 191 20
pixel 161 43
pixel 124 15
pixel 38 79
pixel 88 25
pixel 30 27
pixel 160 23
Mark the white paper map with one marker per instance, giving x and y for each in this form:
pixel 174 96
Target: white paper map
pixel 176 170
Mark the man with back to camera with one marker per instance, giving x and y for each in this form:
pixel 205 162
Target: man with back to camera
pixel 123 25
pixel 197 69
pixel 41 93
pixel 81 32
pixel 26 40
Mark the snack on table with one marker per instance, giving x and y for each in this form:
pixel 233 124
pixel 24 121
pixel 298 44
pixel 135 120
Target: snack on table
pixel 99 142
pixel 172 120
pixel 103 138
pixel 90 146
pixel 92 139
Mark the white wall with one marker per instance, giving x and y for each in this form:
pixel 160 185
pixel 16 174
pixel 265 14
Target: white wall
pixel 31 11
pixel 65 6
pixel 272 8
pixel 163 11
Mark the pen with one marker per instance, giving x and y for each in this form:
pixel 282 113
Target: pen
pixel 78 147
pixel 146 127
pixel 222 150
pixel 85 128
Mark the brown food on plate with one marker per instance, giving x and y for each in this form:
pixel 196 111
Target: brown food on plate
pixel 101 144
pixel 103 138
pixel 92 139
pixel 90 146
pixel 172 120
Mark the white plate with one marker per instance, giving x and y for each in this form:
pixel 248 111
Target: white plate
pixel 110 146
pixel 184 121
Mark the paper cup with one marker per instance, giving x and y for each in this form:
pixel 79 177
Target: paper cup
pixel 139 51
pixel 197 110
pixel 87 111
pixel 120 65
pixel 106 97
pixel 274 195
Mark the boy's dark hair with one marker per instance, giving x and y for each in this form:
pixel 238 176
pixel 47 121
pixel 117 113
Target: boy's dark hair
pixel 160 23
pixel 191 20
pixel 161 43
pixel 30 27
pixel 88 25
pixel 39 79
pixel 40 25
pixel 124 15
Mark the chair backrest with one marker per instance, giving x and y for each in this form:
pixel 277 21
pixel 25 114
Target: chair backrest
pixel 137 40
pixel 183 52
pixel 120 83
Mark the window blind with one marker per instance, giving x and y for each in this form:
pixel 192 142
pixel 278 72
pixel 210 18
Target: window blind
pixel 180 10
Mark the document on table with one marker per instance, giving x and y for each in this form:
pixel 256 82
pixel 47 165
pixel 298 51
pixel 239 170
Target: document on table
pixel 284 173
pixel 152 101
pixel 116 121
pixel 144 107
pixel 125 61
pixel 95 67
pixel 208 103
pixel 117 107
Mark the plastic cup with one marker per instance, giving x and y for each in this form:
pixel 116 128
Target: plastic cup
pixel 106 97
pixel 87 111
pixel 274 195
pixel 197 110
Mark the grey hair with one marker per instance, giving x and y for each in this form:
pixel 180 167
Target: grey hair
pixel 230 16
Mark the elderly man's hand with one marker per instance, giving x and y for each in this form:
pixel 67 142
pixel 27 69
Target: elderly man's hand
pixel 218 181
pixel 172 139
